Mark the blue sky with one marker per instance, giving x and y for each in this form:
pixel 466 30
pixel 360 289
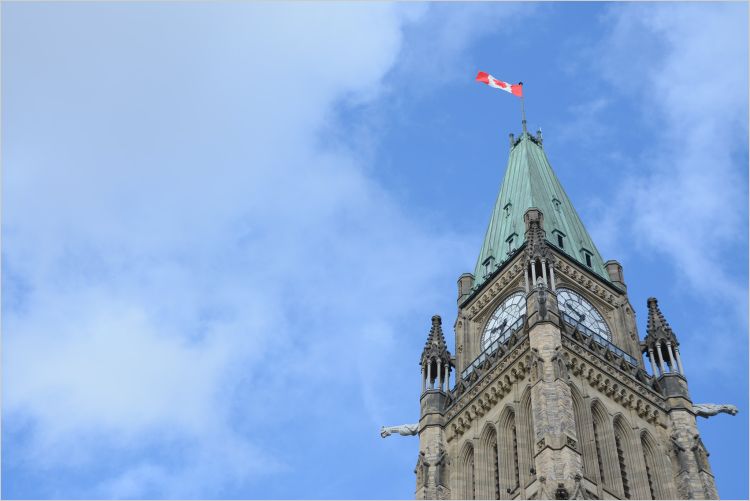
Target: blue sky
pixel 226 226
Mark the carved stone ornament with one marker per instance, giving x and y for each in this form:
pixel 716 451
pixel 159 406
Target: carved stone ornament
pixel 441 468
pixel 404 429
pixel 578 491
pixel 708 410
pixel 679 452
pixel 541 297
pixel 559 364
pixel 420 470
pixel 540 444
pixel 492 385
pixel 561 492
pixel 622 386
pixel 537 366
pixel 701 454
pixel 542 492
pixel 570 442
pixel 489 293
pixel 565 270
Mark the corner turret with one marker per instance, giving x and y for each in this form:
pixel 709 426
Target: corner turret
pixel 432 463
pixel 436 360
pixel 664 354
pixel 661 343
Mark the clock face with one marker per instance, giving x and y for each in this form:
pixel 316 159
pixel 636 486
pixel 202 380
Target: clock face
pixel 582 312
pixel 504 316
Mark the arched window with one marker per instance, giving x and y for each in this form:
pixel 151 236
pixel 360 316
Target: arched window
pixel 525 439
pixel 490 475
pixel 584 433
pixel 627 457
pixel 509 472
pixel 599 456
pixel 655 468
pixel 606 452
pixel 619 439
pixel 467 470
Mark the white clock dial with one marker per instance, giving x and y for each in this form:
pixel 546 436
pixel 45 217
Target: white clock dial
pixel 581 312
pixel 510 310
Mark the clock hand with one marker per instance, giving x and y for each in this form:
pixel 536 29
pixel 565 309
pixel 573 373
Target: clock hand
pixel 501 326
pixel 581 316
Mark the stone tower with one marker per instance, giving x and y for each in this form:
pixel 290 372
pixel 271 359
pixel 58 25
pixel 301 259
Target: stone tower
pixel 550 397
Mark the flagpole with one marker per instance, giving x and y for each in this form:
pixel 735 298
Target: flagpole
pixel 523 110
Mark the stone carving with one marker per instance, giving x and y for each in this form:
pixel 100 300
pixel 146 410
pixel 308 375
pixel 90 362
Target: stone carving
pixel 542 492
pixel 632 392
pixel 642 376
pixel 679 452
pixel 708 410
pixel 404 429
pixel 421 470
pixel 561 492
pixel 537 366
pixel 701 454
pixel 441 468
pixel 511 365
pixel 565 270
pixel 541 297
pixel 578 492
pixel 558 364
pixel 490 292
pixel 571 442
pixel 540 444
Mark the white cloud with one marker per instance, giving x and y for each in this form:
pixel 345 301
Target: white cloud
pixel 177 240
pixel 165 251
pixel 685 67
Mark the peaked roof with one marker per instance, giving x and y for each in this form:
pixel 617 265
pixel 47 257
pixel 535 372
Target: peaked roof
pixel 657 326
pixel 435 347
pixel 530 182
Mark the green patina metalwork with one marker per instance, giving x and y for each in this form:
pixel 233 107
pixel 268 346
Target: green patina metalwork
pixel 530 182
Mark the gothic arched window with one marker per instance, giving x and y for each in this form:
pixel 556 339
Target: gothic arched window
pixel 525 439
pixel 467 470
pixel 584 435
pixel 619 443
pixel 606 453
pixel 490 480
pixel 626 445
pixel 510 479
pixel 655 468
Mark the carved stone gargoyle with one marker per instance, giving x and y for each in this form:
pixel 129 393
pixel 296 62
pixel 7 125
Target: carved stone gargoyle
pixel 708 410
pixel 404 429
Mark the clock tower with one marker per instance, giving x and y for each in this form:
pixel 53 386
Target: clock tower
pixel 548 395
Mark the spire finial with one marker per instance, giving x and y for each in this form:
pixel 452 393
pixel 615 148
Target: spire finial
pixel 523 111
pixel 435 347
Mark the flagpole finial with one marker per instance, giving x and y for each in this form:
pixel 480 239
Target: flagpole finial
pixel 523 111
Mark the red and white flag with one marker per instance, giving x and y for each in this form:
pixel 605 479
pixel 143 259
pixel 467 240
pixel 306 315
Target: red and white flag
pixel 516 90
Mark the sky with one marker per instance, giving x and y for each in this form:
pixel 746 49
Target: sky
pixel 225 227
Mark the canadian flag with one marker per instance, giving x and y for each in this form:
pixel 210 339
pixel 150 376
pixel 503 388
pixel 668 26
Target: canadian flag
pixel 516 90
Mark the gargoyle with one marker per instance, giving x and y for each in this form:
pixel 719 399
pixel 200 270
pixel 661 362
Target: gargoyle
pixel 708 410
pixel 404 429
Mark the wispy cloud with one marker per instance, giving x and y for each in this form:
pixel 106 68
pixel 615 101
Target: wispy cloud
pixel 183 226
pixel 685 71
pixel 185 262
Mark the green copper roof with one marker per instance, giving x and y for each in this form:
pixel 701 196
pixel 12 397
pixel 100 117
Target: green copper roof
pixel 530 182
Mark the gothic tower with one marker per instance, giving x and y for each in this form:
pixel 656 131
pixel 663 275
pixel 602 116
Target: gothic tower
pixel 551 398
